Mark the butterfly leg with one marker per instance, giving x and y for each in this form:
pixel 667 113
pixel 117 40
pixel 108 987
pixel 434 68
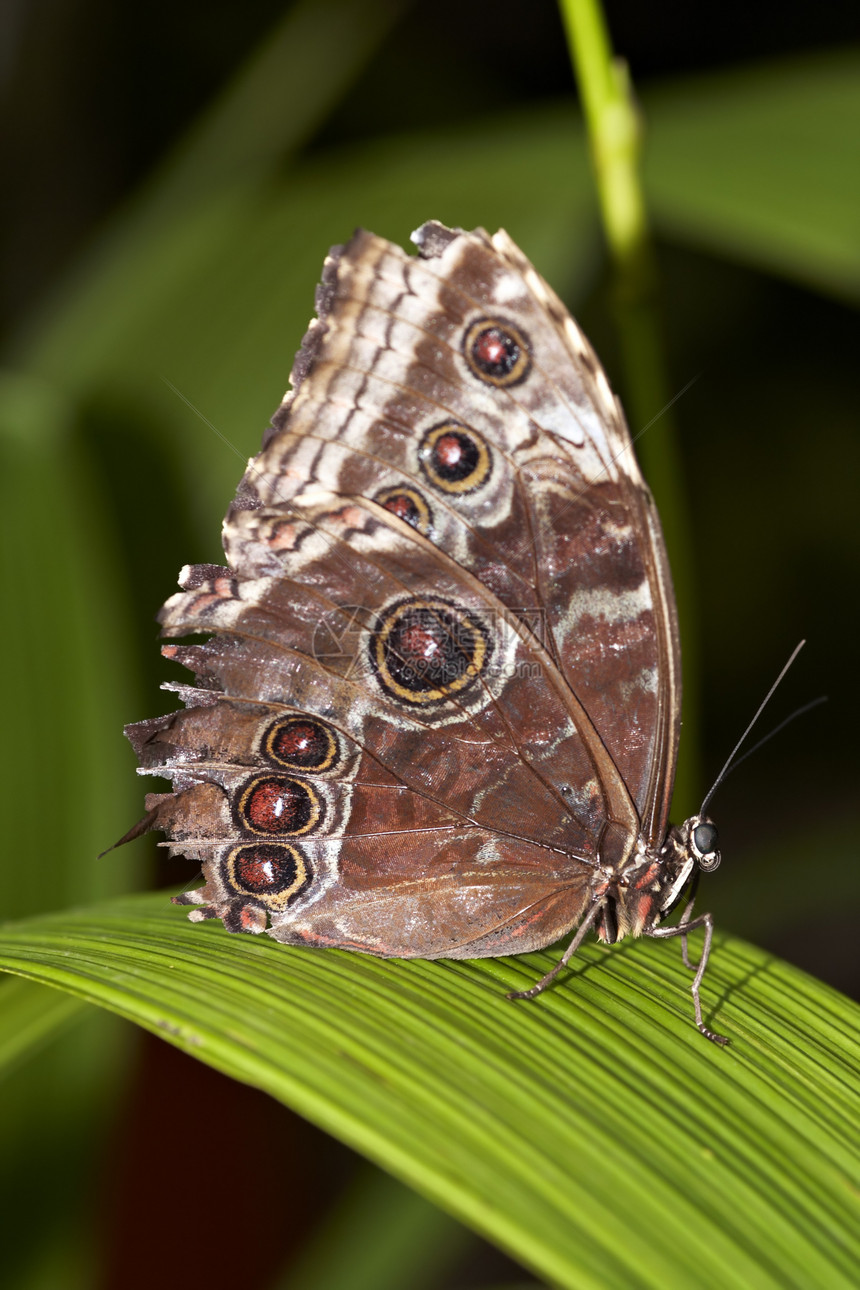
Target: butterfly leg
pixel 685 918
pixel 706 921
pixel 568 954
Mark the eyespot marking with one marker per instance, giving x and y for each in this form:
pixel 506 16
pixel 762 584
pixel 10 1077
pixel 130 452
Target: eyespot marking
pixel 497 352
pixel 426 649
pixel 454 458
pixel 408 505
pixel 301 743
pixel 275 804
pixel 267 872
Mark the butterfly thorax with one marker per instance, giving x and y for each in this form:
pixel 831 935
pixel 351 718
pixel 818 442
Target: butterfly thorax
pixel 648 885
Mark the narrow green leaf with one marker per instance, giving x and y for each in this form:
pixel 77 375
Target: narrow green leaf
pixel 280 96
pixel 65 660
pixel 593 1134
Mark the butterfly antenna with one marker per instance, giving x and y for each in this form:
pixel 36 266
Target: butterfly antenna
pixel 798 712
pixel 765 701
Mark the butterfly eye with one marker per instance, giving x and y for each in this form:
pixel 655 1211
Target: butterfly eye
pixel 705 840
pixel 497 352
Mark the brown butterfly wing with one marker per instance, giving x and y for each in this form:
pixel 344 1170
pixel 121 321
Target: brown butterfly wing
pixel 405 738
pixel 429 827
pixel 601 571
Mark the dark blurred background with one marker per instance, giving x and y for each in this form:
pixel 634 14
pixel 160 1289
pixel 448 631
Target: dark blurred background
pixel 99 104
pixel 96 93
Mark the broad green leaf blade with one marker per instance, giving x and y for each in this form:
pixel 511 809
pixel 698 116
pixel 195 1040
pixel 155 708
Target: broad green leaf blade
pixel 760 164
pixel 594 1134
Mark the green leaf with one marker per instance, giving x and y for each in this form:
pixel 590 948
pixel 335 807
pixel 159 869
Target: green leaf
pixel 62 1069
pixel 760 164
pixel 594 1134
pixel 380 1236
pixel 757 164
pixel 283 92
pixel 30 1016
pixel 66 659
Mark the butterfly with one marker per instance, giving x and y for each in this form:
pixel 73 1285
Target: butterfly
pixel 438 709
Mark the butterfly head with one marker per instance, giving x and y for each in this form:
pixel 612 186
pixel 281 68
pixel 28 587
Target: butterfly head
pixel 702 842
pixel 690 849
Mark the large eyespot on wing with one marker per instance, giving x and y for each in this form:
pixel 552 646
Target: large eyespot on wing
pixel 455 698
pixel 424 650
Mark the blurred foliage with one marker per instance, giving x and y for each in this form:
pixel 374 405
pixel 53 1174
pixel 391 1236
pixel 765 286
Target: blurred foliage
pixel 173 189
